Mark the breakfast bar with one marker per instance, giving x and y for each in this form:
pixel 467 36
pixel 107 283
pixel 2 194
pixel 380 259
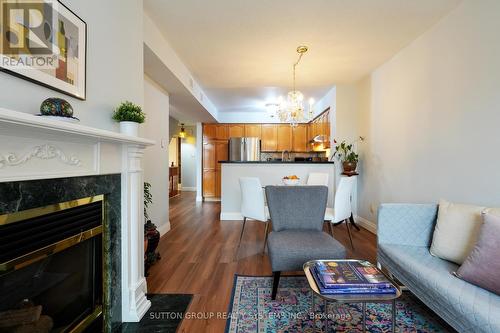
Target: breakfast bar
pixel 269 173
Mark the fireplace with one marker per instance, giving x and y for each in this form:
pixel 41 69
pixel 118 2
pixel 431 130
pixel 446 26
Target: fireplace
pixel 51 267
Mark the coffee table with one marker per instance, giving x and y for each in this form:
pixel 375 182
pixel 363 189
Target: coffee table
pixel 351 298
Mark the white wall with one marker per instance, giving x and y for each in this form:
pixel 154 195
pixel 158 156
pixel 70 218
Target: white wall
pixel 432 116
pixel 154 39
pixel 188 160
pixel 114 64
pixel 156 106
pixel 199 162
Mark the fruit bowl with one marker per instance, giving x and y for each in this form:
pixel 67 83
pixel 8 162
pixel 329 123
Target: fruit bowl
pixel 291 180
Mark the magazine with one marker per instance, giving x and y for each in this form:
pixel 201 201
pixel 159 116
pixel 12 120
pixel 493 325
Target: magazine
pixel 349 274
pixel 350 290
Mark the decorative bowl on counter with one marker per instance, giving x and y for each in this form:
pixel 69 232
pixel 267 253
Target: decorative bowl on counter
pixel 291 180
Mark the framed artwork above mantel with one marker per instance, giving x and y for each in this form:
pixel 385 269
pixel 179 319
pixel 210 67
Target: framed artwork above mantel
pixel 44 42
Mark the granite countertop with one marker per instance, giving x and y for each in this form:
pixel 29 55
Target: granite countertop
pixel 276 162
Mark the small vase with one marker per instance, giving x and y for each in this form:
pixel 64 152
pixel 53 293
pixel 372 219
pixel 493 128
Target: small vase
pixel 129 128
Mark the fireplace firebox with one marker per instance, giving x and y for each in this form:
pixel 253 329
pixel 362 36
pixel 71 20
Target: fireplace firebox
pixel 51 267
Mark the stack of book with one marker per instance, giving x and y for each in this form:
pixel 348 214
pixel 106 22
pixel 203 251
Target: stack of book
pixel 350 277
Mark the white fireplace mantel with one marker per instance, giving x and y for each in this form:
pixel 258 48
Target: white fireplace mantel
pixel 34 147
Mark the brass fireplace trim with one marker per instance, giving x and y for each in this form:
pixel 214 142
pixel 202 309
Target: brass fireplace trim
pixel 35 212
pixel 82 325
pixel 44 252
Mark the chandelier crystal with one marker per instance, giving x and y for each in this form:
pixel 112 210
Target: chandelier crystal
pixel 292 109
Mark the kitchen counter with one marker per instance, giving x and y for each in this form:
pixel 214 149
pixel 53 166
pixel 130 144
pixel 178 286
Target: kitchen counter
pixel 276 162
pixel 269 173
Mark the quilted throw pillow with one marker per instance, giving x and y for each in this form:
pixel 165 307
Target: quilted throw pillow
pixel 456 231
pixel 482 266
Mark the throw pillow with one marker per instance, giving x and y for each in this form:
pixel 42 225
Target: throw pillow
pixel 482 266
pixel 456 231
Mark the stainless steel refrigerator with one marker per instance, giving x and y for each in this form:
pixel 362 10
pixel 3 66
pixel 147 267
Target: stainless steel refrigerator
pixel 244 149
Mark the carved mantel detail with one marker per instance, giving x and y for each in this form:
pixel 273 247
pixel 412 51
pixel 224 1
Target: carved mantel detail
pixel 43 152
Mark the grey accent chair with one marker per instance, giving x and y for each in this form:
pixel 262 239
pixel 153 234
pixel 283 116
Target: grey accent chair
pixel 297 214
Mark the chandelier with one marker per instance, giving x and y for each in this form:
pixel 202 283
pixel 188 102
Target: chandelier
pixel 292 109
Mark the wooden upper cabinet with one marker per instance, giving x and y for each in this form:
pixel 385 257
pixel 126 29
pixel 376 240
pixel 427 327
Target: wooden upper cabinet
pixel 236 130
pixel 253 130
pixel 221 153
pixel 209 132
pixel 269 137
pixel 300 138
pixel 284 138
pixel 221 132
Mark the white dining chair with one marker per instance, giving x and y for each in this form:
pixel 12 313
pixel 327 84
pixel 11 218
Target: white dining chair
pixel 317 178
pixel 253 205
pixel 342 210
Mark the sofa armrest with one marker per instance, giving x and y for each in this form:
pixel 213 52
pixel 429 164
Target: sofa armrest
pixel 406 224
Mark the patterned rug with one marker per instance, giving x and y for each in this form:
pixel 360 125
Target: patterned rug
pixel 252 311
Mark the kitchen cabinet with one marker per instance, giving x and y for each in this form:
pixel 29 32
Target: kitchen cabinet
pixel 221 153
pixel 269 137
pixel 209 169
pixel 299 138
pixel 209 132
pixel 209 177
pixel 284 138
pixel 221 132
pixel 253 130
pixel 236 130
pixel 213 152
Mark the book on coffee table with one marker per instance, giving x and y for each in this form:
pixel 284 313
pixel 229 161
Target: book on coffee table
pixel 350 277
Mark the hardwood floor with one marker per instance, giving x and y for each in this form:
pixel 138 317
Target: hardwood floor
pixel 198 257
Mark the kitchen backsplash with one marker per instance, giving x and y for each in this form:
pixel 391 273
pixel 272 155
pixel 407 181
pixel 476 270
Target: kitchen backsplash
pixel 275 156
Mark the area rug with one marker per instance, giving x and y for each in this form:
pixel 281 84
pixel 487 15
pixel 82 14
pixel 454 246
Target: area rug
pixel 251 310
pixel 165 314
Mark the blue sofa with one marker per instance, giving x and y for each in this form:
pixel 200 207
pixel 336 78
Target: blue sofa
pixel 404 237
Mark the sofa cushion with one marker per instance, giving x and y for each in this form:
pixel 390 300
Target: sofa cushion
pixel 482 266
pixel 289 250
pixel 456 231
pixel 466 307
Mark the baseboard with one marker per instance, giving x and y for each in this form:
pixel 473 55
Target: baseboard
pixel 163 229
pixel 368 225
pixel 188 189
pixel 231 217
pixel 211 199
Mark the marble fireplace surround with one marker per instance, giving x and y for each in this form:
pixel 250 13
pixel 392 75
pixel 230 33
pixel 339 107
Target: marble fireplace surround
pixel 67 156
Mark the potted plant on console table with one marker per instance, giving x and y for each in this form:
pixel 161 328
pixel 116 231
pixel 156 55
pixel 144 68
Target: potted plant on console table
pixel 345 153
pixel 129 115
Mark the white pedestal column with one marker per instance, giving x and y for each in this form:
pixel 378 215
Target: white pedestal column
pixel 134 288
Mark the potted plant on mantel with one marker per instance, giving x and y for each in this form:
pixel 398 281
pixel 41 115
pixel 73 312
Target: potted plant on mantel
pixel 129 115
pixel 345 153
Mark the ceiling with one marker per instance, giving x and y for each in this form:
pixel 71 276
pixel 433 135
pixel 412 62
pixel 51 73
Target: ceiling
pixel 241 52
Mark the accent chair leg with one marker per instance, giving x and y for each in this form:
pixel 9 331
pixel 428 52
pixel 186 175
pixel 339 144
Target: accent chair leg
pixel 331 227
pixel 349 232
pixel 241 236
pixel 276 282
pixel 353 223
pixel 265 237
